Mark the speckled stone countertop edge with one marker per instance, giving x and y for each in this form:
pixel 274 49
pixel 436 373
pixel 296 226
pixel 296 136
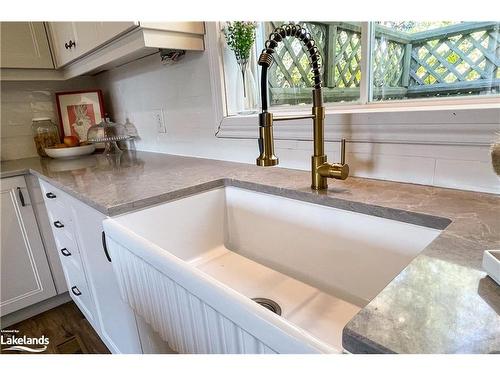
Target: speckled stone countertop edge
pixel 353 342
pixel 415 218
pixel 429 221
pixel 16 172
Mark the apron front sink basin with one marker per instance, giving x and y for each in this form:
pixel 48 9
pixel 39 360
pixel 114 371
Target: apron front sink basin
pixel 192 266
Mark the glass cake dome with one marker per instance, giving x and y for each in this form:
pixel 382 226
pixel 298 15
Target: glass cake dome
pixel 109 133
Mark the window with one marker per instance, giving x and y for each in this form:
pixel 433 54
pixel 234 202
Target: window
pixel 435 59
pixel 408 60
pixel 340 48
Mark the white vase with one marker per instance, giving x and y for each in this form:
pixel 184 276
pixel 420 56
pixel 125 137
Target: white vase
pixel 248 89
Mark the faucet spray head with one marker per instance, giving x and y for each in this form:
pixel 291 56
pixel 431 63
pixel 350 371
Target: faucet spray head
pixel 266 141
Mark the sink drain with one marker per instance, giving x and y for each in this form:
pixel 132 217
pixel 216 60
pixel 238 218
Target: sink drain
pixel 269 304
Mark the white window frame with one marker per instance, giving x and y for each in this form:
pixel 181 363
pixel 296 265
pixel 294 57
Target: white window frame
pixel 451 120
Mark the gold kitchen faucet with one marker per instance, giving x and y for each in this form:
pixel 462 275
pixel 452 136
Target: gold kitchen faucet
pixel 320 168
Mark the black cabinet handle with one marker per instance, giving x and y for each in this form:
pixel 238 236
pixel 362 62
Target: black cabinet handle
pixel 50 195
pixel 21 196
pixel 65 252
pixel 70 45
pixel 76 291
pixel 58 224
pixel 103 238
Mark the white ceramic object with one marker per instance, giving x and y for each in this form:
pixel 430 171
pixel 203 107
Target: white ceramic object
pixel 491 264
pixel 70 152
pixel 190 268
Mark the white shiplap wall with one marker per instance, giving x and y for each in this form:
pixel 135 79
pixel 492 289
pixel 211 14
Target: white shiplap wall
pixel 183 91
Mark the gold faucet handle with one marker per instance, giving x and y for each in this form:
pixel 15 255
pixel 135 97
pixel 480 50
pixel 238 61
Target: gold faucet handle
pixel 342 151
pixel 335 170
pixel 339 171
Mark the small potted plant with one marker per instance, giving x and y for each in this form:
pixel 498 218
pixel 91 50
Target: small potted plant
pixel 240 37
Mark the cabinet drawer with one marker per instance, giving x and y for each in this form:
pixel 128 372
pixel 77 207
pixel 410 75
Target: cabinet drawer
pixel 79 290
pixel 68 250
pixel 58 208
pixel 60 219
pixel 50 193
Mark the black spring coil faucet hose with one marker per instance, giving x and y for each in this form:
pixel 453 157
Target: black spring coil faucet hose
pixel 266 58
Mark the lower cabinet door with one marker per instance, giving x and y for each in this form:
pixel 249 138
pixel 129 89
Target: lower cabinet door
pixel 118 327
pixel 78 289
pixel 25 273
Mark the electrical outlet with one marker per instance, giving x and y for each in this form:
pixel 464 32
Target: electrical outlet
pixel 159 120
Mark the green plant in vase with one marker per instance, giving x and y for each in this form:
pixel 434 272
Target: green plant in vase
pixel 240 37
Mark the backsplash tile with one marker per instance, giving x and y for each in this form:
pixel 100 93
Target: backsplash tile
pixel 22 101
pixel 183 91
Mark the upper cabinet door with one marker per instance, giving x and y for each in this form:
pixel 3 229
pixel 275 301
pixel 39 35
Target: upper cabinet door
pixel 86 36
pixel 24 45
pixel 64 42
pixel 25 274
pixel 71 40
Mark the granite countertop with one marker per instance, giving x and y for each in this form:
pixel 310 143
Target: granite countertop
pixel 442 302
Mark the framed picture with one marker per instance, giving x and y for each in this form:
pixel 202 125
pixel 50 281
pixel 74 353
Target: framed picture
pixel 78 111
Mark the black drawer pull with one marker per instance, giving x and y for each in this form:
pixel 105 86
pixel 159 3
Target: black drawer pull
pixel 58 224
pixel 103 238
pixel 50 195
pixel 65 252
pixel 76 291
pixel 21 196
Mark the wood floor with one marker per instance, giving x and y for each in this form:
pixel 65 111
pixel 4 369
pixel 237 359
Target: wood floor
pixel 67 329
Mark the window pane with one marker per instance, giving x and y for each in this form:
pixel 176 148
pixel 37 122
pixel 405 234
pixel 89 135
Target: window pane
pixel 435 59
pixel 290 77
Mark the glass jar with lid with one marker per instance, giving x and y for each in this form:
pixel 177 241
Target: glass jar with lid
pixel 45 134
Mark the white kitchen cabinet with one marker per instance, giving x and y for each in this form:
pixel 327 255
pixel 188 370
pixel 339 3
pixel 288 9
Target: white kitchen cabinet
pixel 90 47
pixel 87 268
pixel 24 45
pixel 71 40
pixel 80 48
pixel 63 38
pixel 25 274
pixel 44 226
pixel 86 37
pixel 61 217
pixel 116 318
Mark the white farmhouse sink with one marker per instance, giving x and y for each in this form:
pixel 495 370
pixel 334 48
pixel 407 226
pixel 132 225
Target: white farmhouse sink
pixel 190 267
